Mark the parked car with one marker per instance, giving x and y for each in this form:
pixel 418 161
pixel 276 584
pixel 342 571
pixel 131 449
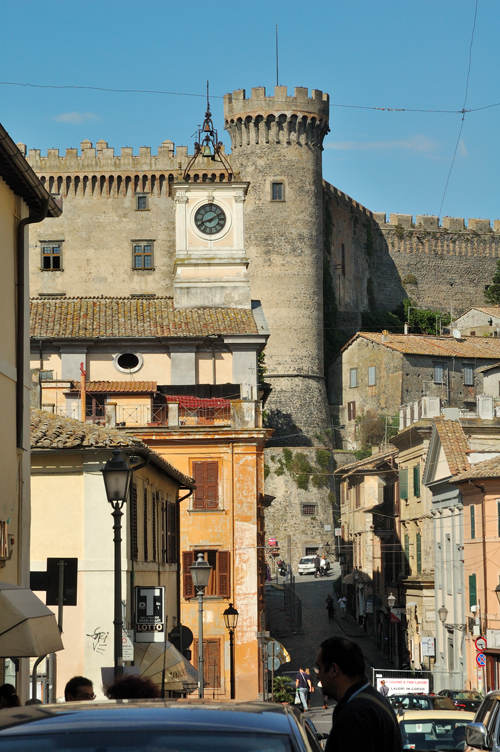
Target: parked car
pixel 484 732
pixel 306 565
pixel 464 699
pixel 421 702
pixel 167 725
pixel 434 729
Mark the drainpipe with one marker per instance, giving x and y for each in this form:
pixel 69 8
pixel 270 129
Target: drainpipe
pixel 483 527
pixel 21 296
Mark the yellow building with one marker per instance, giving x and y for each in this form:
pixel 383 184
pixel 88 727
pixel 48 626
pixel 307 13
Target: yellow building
pixel 23 201
pixel 72 518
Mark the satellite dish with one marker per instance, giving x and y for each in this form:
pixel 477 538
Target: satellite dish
pixel 456 333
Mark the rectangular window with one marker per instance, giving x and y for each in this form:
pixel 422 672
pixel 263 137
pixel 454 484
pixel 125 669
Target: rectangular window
pixel 277 192
pixel 416 480
pixel 95 411
pixel 172 514
pixel 371 376
pixel 308 509
pixel 145 515
pixel 351 411
pixel 353 381
pixel 472 521
pixel 154 542
pixel 403 483
pixel 438 373
pixel 206 476
pixel 51 256
pixel 133 524
pixel 142 255
pixel 219 583
pixel 407 568
pixel 343 260
pixel 142 202
pixel 357 495
pixel 419 553
pixel 468 375
pixel 211 661
pixel 472 591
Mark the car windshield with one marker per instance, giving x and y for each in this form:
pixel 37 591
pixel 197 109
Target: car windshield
pixel 307 560
pixel 467 696
pixel 435 734
pixel 145 741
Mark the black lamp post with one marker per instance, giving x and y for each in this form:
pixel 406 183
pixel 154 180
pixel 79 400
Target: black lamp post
pixel 200 572
pixel 117 474
pixel 231 620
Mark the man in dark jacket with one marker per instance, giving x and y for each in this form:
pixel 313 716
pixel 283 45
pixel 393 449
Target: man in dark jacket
pixel 363 720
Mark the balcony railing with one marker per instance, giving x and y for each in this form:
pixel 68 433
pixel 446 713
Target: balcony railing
pixel 171 415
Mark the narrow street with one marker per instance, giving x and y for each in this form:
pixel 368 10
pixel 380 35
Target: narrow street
pixel 316 627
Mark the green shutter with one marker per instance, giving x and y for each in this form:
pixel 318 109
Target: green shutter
pixel 403 483
pixel 419 554
pixel 407 556
pixel 472 521
pixel 472 591
pixel 416 480
pixel 498 517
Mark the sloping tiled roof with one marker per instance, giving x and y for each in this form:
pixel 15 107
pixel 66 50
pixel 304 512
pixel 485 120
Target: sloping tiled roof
pixel 487 368
pixel 133 317
pixel 489 310
pixel 487 469
pixel 444 347
pixel 454 443
pixel 369 463
pixel 120 387
pixel 49 431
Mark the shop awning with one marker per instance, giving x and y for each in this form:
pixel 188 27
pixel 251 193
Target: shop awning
pixel 27 627
pixel 159 659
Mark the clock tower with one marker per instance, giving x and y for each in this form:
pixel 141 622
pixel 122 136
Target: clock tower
pixel 211 265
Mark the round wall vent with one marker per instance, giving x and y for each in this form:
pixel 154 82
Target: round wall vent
pixel 128 362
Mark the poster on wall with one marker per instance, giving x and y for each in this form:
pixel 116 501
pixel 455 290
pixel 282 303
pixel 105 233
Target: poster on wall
pixel 149 614
pixel 403 685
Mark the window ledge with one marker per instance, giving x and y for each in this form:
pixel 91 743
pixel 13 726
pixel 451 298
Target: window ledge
pixel 206 511
pixel 149 269
pixel 51 270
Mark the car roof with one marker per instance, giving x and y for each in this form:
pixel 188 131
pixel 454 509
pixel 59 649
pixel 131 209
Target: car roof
pixel 181 715
pixel 431 715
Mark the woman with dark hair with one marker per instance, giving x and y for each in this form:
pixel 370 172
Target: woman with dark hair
pixel 8 697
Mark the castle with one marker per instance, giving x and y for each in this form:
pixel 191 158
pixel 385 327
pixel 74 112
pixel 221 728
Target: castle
pixel 309 248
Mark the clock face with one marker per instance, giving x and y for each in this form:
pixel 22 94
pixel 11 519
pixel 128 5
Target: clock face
pixel 210 219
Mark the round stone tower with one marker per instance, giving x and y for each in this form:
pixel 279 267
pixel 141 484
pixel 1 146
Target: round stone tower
pixel 276 145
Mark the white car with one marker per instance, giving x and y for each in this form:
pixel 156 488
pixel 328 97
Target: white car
pixel 306 565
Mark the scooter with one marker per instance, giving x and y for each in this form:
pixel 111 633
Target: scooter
pixel 282 567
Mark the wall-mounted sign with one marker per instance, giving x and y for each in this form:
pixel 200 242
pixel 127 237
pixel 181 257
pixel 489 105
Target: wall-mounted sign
pixel 149 614
pixel 428 647
pixel 272 542
pixel 480 644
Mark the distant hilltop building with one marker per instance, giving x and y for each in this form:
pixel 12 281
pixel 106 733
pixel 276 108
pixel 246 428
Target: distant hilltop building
pixel 290 240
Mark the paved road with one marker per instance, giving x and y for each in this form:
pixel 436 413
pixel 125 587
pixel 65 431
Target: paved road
pixel 316 627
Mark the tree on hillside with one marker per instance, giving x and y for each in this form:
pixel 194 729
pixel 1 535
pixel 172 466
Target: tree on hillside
pixel 492 294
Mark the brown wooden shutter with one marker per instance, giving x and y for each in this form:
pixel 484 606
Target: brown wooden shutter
pixel 224 574
pixel 171 514
pixel 187 580
pixel 133 524
pixel 211 661
pixel 206 475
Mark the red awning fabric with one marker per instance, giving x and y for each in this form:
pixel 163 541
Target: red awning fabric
pixel 193 402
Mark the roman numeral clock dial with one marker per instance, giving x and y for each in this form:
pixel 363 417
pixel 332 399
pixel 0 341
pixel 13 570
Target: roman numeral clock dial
pixel 210 219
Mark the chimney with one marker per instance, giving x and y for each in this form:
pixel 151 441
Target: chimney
pixel 407 328
pixel 385 335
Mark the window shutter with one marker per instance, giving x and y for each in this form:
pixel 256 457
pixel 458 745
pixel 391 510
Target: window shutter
pixel 419 553
pixel 206 475
pixel 212 663
pixel 416 480
pixel 133 523
pixel 407 567
pixel 472 591
pixel 171 533
pixel 371 376
pixel 145 525
pixel 224 573
pixel 187 580
pixel 472 521
pixel 403 483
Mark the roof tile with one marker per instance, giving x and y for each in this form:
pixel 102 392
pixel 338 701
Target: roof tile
pixel 454 443
pixel 417 344
pixel 487 469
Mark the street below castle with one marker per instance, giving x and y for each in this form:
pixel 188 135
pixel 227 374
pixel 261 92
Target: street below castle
pixel 316 627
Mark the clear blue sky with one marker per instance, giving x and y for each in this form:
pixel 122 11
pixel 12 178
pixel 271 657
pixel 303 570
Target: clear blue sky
pixel 374 53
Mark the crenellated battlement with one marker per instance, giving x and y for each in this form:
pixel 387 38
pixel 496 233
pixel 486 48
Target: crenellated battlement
pixel 237 104
pixel 431 223
pixel 102 158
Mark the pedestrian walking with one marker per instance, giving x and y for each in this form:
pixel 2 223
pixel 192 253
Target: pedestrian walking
pixel 317 566
pixel 310 690
pixel 303 685
pixel 343 606
pixel 384 689
pixel 330 607
pixel 362 719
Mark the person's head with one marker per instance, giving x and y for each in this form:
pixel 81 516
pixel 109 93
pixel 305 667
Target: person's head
pixel 133 687
pixel 341 664
pixel 8 696
pixel 383 682
pixel 308 672
pixel 79 689
pixel 33 701
pixel 458 734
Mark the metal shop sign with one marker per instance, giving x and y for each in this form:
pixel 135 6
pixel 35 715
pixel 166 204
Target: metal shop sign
pixel 149 611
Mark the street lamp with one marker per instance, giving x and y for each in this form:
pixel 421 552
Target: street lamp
pixel 391 601
pixel 231 620
pixel 497 592
pixel 200 572
pixel 327 548
pixel 117 475
pixel 443 615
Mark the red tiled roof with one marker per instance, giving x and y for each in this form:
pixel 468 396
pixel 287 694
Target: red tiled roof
pixel 487 469
pixel 119 387
pixel 454 443
pixel 186 401
pixel 444 347
pixel 133 317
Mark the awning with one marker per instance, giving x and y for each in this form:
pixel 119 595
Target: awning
pixel 27 627
pixel 156 658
